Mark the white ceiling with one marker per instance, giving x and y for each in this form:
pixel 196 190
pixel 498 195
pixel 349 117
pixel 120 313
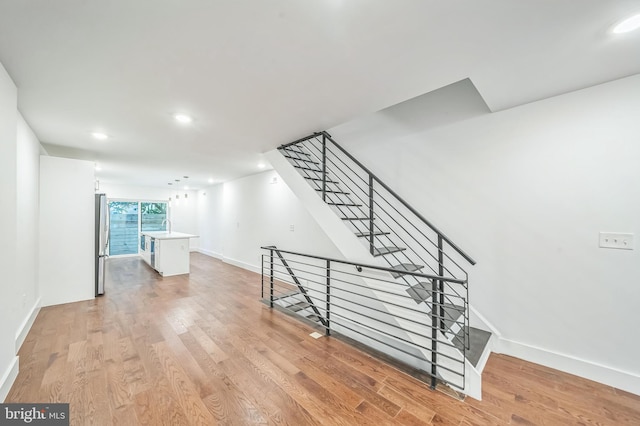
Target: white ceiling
pixel 258 73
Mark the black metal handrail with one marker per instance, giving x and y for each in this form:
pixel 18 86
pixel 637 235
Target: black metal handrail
pixel 393 229
pixel 343 173
pixel 336 294
pixel 391 191
pixel 368 266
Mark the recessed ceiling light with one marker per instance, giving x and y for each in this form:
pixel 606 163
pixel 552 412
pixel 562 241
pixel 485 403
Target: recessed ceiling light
pixel 98 168
pixel 629 24
pixel 183 118
pixel 261 165
pixel 210 180
pixel 186 187
pixel 99 136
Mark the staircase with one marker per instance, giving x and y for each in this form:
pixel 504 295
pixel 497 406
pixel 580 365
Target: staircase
pixel 395 236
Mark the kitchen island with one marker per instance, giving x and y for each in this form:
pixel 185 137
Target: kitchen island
pixel 166 252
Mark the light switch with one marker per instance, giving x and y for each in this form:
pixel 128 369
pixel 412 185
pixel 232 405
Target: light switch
pixel 292 228
pixel 616 240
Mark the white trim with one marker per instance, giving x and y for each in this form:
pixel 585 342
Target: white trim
pixel 8 378
pixel 624 380
pixel 242 265
pixel 486 325
pixel 209 253
pixel 24 328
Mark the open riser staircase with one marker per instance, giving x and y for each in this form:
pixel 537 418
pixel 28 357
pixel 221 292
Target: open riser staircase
pixel 421 280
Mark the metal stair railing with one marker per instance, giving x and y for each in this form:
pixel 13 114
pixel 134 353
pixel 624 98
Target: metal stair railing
pixel 362 302
pixel 392 228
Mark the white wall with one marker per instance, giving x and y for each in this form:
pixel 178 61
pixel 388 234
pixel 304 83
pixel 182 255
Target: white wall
pixel 8 220
pixel 210 224
pixel 526 191
pixel 27 228
pixel 183 212
pixel 238 217
pixel 67 230
pixel 19 159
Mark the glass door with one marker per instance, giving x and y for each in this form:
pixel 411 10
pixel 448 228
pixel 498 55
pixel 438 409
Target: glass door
pixel 124 230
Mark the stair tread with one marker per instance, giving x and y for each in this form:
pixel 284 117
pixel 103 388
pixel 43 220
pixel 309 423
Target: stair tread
pixel 405 267
pixel 345 204
pixel 285 295
pixel 307 168
pixel 320 179
pixel 296 151
pixel 355 218
pixel 366 234
pixel 478 340
pixel 420 292
pixel 298 306
pixel 313 317
pixel 301 159
pixel 381 251
pixel 333 192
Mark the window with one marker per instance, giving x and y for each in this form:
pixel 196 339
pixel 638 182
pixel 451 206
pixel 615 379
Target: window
pixel 153 215
pixel 128 218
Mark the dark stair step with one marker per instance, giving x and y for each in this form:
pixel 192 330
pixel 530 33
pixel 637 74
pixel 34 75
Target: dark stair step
pixel 345 204
pixel 296 151
pixel 333 192
pixel 301 159
pixel 404 267
pixel 319 179
pixel 478 340
pixel 285 295
pixel 452 314
pixel 307 168
pixel 381 251
pixel 313 317
pixel 375 234
pixel 298 306
pixel 420 292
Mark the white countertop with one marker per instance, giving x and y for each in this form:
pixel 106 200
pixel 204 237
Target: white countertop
pixel 162 235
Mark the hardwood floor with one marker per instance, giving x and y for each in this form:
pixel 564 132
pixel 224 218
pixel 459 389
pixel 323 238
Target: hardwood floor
pixel 202 350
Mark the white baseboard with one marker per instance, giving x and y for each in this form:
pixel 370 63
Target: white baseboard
pixel 210 253
pixel 8 378
pixel 624 380
pixel 242 265
pixel 24 328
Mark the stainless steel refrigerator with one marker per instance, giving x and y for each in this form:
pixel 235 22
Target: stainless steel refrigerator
pixel 102 240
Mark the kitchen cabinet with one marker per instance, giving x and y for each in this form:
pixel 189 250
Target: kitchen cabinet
pixel 166 252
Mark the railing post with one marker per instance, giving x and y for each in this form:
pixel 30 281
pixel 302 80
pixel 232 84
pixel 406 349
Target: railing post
pixel 328 311
pixel 371 245
pixel 324 167
pixel 434 335
pixel 262 277
pixel 271 280
pixel 440 282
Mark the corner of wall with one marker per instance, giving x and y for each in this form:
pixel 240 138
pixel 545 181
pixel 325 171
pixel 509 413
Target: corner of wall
pixel 24 328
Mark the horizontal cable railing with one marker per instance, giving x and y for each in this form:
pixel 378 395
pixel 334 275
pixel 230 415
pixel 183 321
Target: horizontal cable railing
pixel 387 224
pixel 365 303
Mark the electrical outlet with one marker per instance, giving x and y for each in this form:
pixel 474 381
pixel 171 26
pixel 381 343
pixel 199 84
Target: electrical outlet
pixel 292 228
pixel 616 240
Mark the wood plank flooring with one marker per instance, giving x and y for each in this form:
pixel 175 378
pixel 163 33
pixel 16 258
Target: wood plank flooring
pixel 202 350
